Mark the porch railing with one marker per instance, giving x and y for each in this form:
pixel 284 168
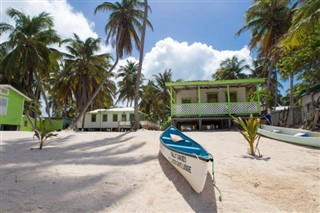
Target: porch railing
pixel 215 108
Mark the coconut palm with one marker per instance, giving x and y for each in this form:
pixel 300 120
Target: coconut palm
pixel 231 68
pixel 83 71
pixel 121 29
pixel 127 85
pixel 141 52
pixel 163 96
pixel 149 105
pixel 249 130
pixel 268 21
pixel 29 60
pixel 304 20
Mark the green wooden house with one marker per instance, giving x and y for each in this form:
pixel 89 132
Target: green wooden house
pixel 209 104
pixel 57 124
pixel 11 107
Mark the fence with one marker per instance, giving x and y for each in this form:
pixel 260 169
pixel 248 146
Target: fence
pixel 283 117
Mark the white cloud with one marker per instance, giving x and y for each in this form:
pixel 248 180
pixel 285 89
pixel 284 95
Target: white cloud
pixel 66 20
pixel 197 61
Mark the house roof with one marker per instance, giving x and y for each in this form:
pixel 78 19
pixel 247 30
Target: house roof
pixel 14 89
pixel 126 109
pixel 194 84
pixel 315 88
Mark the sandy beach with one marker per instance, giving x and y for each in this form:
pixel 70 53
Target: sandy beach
pixel 124 172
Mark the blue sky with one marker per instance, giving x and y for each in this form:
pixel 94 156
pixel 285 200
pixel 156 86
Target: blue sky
pixel 190 37
pixel 210 22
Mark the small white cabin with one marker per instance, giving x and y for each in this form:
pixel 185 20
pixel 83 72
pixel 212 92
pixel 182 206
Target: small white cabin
pixel 114 119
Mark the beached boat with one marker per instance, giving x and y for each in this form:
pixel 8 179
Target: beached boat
pixel 297 136
pixel 187 156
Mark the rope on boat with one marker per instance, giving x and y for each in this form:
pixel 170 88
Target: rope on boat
pixel 213 178
pixel 196 155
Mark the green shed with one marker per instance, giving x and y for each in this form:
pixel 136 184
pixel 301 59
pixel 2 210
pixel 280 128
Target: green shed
pixel 11 107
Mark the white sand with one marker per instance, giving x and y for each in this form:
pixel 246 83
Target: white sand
pixel 124 172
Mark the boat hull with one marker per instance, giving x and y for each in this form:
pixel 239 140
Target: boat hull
pixel 187 156
pixel 290 135
pixel 194 170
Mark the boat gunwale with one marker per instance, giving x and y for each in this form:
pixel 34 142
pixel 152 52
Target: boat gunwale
pixel 210 157
pixel 191 155
pixel 291 139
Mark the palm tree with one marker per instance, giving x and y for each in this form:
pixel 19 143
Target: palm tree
pixel 304 20
pixel 29 60
pixel 127 85
pixel 124 22
pixel 163 96
pixel 268 21
pixel 231 68
pixel 143 34
pixel 83 72
pixel 149 105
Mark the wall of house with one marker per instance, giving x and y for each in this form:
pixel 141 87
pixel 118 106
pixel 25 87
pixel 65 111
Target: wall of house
pixel 307 98
pixel 99 123
pixel 241 94
pixel 15 104
pixel 56 124
pixel 25 124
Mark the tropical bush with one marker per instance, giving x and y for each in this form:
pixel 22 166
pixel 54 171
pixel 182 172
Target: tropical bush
pixel 249 130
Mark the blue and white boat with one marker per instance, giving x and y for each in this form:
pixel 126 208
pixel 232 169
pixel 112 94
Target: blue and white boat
pixel 187 156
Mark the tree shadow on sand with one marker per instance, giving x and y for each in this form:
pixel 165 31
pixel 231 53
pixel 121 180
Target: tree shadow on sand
pixel 48 181
pixel 203 202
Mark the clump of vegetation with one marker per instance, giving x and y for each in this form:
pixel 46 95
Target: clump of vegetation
pixel 249 130
pixel 42 134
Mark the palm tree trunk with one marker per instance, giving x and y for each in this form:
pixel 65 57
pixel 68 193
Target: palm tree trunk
pixel 95 93
pixel 83 121
pixel 291 99
pixel 251 149
pixel 44 96
pixel 269 78
pixel 276 92
pixel 26 113
pixel 136 96
pixel 35 102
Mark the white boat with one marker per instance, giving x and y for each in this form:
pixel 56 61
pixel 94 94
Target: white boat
pixel 297 136
pixel 187 156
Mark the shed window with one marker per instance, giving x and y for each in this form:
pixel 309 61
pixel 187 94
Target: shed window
pixel 105 117
pixel 4 91
pixel 3 105
pixel 212 97
pixel 115 117
pixel 25 123
pixel 123 117
pixel 93 118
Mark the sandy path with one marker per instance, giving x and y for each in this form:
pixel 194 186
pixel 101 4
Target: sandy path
pixel 124 172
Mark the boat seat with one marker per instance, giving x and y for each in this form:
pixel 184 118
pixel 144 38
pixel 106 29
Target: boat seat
pixel 188 149
pixel 168 138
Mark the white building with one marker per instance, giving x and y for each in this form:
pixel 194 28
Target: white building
pixel 114 119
